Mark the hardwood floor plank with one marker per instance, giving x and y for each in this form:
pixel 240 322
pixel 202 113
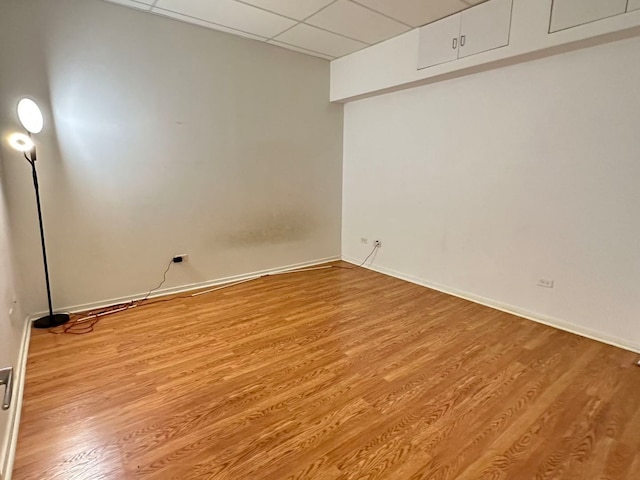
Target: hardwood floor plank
pixel 329 374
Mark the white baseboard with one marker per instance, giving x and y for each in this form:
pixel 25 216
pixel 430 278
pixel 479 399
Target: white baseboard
pixel 487 302
pixel 7 458
pixel 189 287
pixel 12 434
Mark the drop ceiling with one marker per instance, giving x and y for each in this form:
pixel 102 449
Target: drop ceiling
pixel 323 28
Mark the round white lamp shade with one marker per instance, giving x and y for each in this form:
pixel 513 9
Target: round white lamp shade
pixel 20 142
pixel 30 115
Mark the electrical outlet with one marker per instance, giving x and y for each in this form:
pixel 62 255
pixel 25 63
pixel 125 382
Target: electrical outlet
pixel 377 243
pixel 364 241
pixel 546 283
pixel 183 257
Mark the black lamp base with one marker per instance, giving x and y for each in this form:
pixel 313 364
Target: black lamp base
pixel 50 321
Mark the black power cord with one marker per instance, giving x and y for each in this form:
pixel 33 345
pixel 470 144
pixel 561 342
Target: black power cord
pixel 375 247
pixel 164 279
pixel 85 325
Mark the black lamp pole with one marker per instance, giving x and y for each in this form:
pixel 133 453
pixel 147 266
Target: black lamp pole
pixel 53 319
pixel 32 120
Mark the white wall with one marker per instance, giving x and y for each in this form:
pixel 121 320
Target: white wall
pixel 164 138
pixel 11 325
pixel 483 184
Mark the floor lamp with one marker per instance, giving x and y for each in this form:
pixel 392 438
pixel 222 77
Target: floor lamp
pixel 31 119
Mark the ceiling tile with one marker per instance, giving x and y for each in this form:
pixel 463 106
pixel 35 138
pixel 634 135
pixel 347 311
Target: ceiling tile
pixel 230 14
pixel 298 9
pixel 355 21
pixel 298 49
pixel 311 38
pixel 416 12
pixel 139 4
pixel 202 23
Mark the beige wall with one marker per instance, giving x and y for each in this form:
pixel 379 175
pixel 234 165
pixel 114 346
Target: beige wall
pixel 11 327
pixel 163 138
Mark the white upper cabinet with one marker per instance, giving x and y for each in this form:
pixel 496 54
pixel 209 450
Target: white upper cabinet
pixel 485 27
pixel 477 29
pixel 633 5
pixel 571 13
pixel 439 42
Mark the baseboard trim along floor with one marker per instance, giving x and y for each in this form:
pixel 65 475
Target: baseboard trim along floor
pixel 191 287
pixel 487 302
pixel 8 456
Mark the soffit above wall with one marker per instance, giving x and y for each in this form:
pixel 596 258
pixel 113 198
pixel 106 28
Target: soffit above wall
pixel 323 28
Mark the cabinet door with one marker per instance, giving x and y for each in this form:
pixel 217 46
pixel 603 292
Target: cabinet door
pixel 439 42
pixel 633 5
pixel 571 13
pixel 485 27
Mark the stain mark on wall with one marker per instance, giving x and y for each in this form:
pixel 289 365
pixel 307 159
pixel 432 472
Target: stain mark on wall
pixel 269 228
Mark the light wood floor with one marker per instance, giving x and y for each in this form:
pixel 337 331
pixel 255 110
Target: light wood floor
pixel 331 374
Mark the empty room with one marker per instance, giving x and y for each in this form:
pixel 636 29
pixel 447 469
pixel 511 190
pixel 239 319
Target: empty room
pixel 319 239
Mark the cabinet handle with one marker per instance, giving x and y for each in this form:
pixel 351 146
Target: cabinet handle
pixel 455 43
pixel 463 40
pixel 6 379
